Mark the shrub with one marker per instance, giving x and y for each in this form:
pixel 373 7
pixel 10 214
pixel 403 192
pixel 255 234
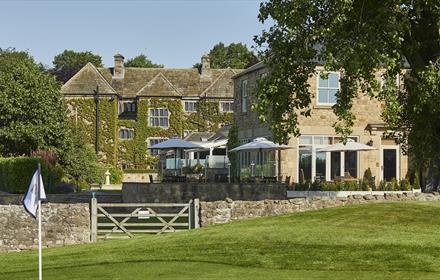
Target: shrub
pixel 404 185
pixel 368 177
pixel 16 174
pixel 197 169
pixel 116 175
pixel 416 184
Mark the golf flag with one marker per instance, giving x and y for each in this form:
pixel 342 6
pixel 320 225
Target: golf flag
pixel 33 194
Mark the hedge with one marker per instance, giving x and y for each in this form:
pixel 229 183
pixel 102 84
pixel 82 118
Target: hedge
pixel 16 174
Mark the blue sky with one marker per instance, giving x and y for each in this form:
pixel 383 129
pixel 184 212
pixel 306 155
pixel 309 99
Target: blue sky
pixel 174 33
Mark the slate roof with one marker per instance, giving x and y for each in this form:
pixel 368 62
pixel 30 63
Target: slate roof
pixel 153 82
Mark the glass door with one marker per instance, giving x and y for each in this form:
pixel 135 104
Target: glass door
pixel 389 162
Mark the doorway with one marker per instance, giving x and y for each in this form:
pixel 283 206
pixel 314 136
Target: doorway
pixel 389 156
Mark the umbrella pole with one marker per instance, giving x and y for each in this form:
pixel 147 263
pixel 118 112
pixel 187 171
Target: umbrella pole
pixel 261 163
pixel 175 161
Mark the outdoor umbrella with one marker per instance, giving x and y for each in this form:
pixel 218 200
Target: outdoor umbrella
pixel 260 144
pixel 347 147
pixel 174 144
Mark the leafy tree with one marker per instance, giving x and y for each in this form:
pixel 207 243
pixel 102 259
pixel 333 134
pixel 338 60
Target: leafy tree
pixel 69 62
pixel 142 61
pixel 358 37
pixel 235 55
pixel 32 111
pixel 79 159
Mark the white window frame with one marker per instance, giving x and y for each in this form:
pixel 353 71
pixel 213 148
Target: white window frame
pixel 152 152
pixel 195 105
pixel 230 104
pixel 244 96
pixel 327 157
pixel 318 87
pixel 130 133
pixel 383 81
pixel 121 107
pixel 150 116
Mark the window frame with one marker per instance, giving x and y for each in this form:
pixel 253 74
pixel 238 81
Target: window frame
pixel 125 104
pixel 190 102
pixel 318 87
pixel 230 104
pixel 159 117
pixel 129 132
pixel 314 145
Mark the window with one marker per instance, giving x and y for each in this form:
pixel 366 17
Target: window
pixel 159 117
pixel 244 96
pixel 154 141
pixel 226 106
pixel 324 166
pixel 190 106
pixel 383 83
pixel 126 133
pixel 327 88
pixel 127 107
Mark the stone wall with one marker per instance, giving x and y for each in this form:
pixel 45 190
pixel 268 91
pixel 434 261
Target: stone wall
pixel 183 192
pixel 62 224
pixel 220 212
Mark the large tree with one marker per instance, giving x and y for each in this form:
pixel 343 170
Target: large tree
pixel 235 55
pixel 142 61
pixel 69 62
pixel 32 111
pixel 358 37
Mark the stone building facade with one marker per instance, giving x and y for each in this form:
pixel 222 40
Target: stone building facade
pixel 386 162
pixel 139 107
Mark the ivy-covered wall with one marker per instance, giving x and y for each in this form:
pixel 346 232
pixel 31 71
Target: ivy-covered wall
pixel 134 152
pixel 83 111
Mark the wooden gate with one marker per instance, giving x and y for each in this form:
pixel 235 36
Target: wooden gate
pixel 125 220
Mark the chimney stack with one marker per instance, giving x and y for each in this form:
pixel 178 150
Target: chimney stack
pixel 205 71
pixel 119 71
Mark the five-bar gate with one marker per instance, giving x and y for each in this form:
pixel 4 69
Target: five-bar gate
pixel 125 220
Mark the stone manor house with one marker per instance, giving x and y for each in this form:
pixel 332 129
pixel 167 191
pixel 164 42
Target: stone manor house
pixel 386 162
pixel 139 107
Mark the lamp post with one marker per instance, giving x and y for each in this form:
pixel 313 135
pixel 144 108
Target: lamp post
pixel 229 172
pixel 97 120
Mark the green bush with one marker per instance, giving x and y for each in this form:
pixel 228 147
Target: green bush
pixel 405 185
pixel 116 175
pixel 16 174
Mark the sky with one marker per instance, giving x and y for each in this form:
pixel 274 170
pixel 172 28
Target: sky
pixel 175 33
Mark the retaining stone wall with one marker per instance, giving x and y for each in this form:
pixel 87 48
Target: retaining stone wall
pixel 183 192
pixel 62 224
pixel 219 212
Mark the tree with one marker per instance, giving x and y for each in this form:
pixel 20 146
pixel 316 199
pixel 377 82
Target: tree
pixel 236 56
pixel 358 37
pixel 69 62
pixel 32 111
pixel 142 61
pixel 79 159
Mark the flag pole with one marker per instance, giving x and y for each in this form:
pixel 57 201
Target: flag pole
pixel 40 255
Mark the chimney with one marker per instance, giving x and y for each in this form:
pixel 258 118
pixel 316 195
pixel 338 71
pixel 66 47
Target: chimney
pixel 205 71
pixel 119 71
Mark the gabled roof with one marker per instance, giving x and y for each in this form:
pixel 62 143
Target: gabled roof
pixel 158 82
pixel 86 80
pixel 159 86
pixel 222 86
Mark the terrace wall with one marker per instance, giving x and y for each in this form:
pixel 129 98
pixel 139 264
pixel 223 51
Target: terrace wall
pixel 183 192
pixel 224 211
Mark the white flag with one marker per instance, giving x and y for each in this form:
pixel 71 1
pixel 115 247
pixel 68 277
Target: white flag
pixel 30 201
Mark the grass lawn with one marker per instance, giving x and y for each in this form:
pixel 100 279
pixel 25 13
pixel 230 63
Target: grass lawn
pixel 378 241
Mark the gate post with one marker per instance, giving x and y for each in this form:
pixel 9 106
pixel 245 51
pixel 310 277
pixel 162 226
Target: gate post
pixel 196 213
pixel 94 220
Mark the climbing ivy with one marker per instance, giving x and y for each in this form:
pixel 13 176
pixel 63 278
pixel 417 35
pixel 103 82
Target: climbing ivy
pixel 83 112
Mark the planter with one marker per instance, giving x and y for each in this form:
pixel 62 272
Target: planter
pixel 295 194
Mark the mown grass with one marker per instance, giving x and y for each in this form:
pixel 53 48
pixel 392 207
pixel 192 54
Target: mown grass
pixel 380 241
